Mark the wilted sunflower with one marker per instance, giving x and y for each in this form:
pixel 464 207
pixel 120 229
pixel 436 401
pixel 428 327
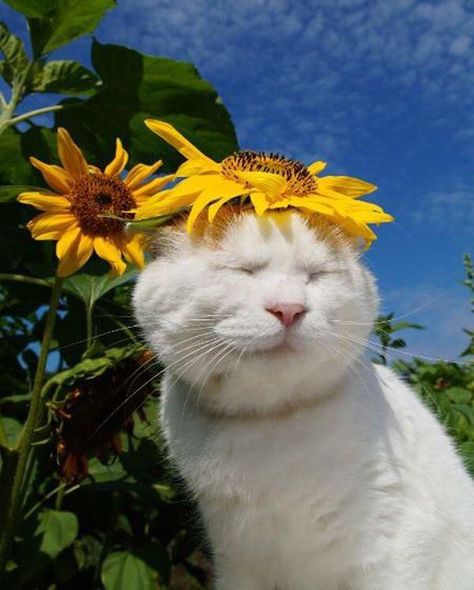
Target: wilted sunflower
pixel 82 210
pixel 271 181
pixel 94 413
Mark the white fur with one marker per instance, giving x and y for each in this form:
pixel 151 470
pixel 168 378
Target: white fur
pixel 314 470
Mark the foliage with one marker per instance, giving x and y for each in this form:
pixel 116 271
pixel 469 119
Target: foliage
pixel 86 515
pixel 446 387
pixel 107 513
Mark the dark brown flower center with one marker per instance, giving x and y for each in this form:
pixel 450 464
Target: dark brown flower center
pixel 96 196
pixel 299 179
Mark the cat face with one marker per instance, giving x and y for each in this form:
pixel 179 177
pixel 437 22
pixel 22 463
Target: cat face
pixel 274 305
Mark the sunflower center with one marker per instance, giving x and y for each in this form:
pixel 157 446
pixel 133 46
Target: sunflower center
pixel 299 180
pixel 95 196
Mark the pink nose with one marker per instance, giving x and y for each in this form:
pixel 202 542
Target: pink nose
pixel 286 312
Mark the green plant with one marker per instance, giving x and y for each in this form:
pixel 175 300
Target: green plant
pixel 86 497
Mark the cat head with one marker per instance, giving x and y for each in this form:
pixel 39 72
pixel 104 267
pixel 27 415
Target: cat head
pixel 256 312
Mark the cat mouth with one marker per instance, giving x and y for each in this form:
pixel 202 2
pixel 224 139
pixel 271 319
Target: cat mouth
pixel 282 348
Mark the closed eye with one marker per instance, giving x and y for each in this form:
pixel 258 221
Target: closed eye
pixel 314 276
pixel 248 269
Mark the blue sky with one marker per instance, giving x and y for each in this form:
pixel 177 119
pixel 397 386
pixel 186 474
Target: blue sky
pixel 381 89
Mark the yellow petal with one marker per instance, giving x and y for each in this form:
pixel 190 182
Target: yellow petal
pixel 107 249
pixel 133 250
pixel 198 205
pixel 260 202
pixel 94 169
pixel 317 167
pixel 46 202
pixel 179 142
pixel 67 239
pixel 139 173
pixel 119 162
pixel 214 208
pixel 152 187
pixel 75 256
pixel 163 206
pixel 46 223
pixel 174 199
pixel 195 166
pixel 357 228
pixel 346 185
pixel 117 267
pixel 265 182
pixel 70 155
pixel 156 205
pixel 312 205
pixel 57 178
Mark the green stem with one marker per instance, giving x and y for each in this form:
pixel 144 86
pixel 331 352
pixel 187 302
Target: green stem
pixel 3 102
pixel 35 113
pixel 60 497
pixel 12 488
pixel 17 94
pixel 89 328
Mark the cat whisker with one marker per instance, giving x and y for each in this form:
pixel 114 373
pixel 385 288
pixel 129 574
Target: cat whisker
pixel 133 394
pixel 412 375
pixel 76 342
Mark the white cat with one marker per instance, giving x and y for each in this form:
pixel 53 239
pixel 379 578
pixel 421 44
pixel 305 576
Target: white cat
pixel 313 468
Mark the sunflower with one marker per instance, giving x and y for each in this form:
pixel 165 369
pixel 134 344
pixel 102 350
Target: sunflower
pixel 86 208
pixel 270 181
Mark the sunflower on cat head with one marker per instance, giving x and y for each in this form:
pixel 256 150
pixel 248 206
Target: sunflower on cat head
pixel 87 209
pixel 264 181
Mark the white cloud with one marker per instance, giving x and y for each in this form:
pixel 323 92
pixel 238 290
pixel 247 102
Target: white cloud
pixel 445 209
pixel 292 60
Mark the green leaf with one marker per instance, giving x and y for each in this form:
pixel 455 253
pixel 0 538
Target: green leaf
pixel 123 570
pixel 91 288
pixel 59 529
pixel 460 395
pixel 11 192
pixel 13 168
pixel 68 20
pixel 12 429
pixel 13 50
pixel 62 77
pixel 405 325
pixel 36 8
pixel 398 343
pixel 93 367
pixel 137 86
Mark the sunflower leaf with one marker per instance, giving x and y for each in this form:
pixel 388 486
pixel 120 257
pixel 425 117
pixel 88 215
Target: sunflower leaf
pixel 122 569
pixel 91 288
pixel 36 8
pixel 14 53
pixel 59 529
pixel 62 77
pixel 66 21
pixel 136 87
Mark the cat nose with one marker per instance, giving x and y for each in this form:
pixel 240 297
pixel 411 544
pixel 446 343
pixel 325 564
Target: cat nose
pixel 287 313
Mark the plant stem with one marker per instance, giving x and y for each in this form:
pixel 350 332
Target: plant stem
pixel 3 102
pixel 12 486
pixel 35 113
pixel 89 327
pixel 60 497
pixel 16 96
